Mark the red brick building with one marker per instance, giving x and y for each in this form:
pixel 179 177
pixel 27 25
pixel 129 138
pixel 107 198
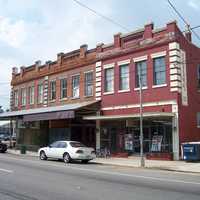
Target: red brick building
pixel 169 65
pixel 93 95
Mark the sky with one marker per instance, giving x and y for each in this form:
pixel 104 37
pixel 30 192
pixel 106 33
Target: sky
pixel 32 30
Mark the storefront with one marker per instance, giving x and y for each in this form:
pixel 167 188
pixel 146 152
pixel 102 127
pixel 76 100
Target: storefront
pixel 40 127
pixel 120 135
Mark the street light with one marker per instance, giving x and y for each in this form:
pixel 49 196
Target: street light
pixel 142 161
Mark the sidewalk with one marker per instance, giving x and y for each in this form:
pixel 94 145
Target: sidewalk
pixel 181 166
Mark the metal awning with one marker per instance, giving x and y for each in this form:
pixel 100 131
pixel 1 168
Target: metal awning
pixel 47 113
pixel 115 117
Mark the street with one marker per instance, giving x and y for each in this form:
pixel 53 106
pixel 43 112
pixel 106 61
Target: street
pixel 27 178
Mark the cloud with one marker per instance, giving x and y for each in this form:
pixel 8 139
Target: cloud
pixel 12 32
pixel 195 4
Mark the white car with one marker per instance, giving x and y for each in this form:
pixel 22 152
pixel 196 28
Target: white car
pixel 68 151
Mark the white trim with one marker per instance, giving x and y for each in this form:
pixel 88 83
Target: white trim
pixel 98 84
pixel 98 98
pixel 98 74
pixel 89 71
pixel 175 77
pixel 175 84
pixel 63 99
pixel 158 54
pixel 98 79
pixel 174 59
pixel 127 116
pixel 158 86
pixel 175 89
pixel 174 52
pixel 174 65
pixel 98 64
pixel 98 89
pixel 107 66
pixel 143 88
pixel 175 71
pixel 148 104
pixel 98 69
pixel 98 94
pixel 174 45
pixel 141 58
pixel 78 74
pixel 107 93
pixel 124 62
pixel 121 91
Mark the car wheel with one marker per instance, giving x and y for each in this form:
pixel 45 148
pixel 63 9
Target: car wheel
pixel 66 158
pixel 85 161
pixel 43 156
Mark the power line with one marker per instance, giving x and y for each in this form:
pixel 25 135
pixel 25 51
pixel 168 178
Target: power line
pixel 184 20
pixel 101 15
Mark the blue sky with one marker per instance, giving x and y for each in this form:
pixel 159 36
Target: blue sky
pixel 33 30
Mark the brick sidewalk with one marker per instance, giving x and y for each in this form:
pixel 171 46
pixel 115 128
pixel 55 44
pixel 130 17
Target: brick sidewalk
pixel 180 166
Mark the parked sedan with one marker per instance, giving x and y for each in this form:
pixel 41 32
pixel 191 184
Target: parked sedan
pixel 3 147
pixel 67 151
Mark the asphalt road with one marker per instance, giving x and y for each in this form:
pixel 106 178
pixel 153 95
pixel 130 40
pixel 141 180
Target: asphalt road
pixel 27 178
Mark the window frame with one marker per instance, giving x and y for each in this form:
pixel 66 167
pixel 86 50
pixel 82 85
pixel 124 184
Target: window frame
pixel 106 91
pixel 31 94
pixel 63 89
pixel 124 76
pixel 88 84
pixel 137 81
pixel 161 71
pixel 23 96
pixel 52 94
pixel 74 87
pixel 198 76
pixel 40 93
pixel 198 119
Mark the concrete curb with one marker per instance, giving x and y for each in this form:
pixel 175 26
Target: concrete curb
pixel 31 154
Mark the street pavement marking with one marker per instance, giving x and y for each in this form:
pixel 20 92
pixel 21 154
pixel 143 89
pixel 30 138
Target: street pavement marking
pixel 6 170
pixel 36 162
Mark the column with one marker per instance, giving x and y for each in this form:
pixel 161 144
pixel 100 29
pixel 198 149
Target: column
pixel 98 134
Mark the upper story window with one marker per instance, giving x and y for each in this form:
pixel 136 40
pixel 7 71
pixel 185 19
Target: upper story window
pixel 31 94
pixel 23 92
pixel 63 88
pixel 109 80
pixel 141 73
pixel 52 90
pixel 159 69
pixel 124 77
pixel 40 93
pixel 198 76
pixel 88 83
pixel 16 98
pixel 75 86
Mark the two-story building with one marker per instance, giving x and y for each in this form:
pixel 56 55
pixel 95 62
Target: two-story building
pixel 48 101
pixel 168 64
pixel 93 95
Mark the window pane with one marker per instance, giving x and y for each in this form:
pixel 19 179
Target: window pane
pixel 52 90
pixel 23 93
pixel 124 77
pixel 40 93
pixel 75 86
pixel 159 71
pixel 109 80
pixel 89 84
pixel 63 88
pixel 141 70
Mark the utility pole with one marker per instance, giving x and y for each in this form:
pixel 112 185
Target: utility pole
pixel 142 161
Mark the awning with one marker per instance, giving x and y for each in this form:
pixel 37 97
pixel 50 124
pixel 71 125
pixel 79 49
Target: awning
pixel 47 113
pixel 115 117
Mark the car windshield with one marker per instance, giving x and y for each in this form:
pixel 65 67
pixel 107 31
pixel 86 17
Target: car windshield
pixel 77 144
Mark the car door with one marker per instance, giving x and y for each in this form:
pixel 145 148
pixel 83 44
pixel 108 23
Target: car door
pixel 51 150
pixel 61 149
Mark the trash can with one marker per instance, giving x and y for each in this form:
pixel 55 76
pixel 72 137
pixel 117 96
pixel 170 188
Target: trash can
pixel 191 151
pixel 23 149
